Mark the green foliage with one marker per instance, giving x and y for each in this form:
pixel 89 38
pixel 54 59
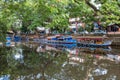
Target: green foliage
pixel 3 30
pixel 111 12
pixel 55 14
pixel 80 9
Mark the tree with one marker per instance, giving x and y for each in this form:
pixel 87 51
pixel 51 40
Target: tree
pixel 108 12
pixel 55 14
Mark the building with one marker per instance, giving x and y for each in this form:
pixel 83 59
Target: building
pixel 113 28
pixel 75 24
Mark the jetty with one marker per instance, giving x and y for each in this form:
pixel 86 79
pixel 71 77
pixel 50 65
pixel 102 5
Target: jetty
pixel 115 36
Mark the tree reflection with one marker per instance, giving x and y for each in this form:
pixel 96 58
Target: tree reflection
pixel 33 63
pixel 3 60
pixel 24 63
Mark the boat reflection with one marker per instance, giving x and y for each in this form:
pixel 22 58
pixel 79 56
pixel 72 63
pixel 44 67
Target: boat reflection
pixel 75 52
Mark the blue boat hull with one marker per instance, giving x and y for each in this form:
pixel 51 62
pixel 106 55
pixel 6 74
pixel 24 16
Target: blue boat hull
pixel 93 45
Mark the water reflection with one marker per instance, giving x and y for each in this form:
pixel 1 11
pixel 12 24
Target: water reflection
pixel 46 62
pixel 15 56
pixel 5 77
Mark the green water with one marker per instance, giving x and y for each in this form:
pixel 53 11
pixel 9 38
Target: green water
pixel 32 62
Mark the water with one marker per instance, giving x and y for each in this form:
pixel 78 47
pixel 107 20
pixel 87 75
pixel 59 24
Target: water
pixel 43 62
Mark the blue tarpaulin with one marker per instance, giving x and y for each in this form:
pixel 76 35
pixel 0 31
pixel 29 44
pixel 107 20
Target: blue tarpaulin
pixel 17 38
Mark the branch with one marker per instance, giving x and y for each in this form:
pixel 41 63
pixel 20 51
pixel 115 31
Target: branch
pixel 91 5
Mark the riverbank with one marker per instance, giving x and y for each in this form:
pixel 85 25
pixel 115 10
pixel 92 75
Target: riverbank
pixel 115 36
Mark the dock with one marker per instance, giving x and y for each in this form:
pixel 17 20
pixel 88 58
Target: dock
pixel 115 36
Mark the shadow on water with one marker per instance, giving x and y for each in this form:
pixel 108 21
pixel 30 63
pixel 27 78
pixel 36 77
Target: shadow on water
pixel 48 62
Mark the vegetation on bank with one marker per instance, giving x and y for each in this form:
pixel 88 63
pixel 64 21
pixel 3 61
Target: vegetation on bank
pixel 26 15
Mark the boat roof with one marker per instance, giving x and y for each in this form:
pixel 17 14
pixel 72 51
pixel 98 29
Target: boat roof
pixel 92 37
pixel 59 36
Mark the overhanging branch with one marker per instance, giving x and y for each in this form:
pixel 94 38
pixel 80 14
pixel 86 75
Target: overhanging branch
pixel 91 5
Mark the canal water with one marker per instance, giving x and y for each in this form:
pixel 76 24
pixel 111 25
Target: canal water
pixel 28 61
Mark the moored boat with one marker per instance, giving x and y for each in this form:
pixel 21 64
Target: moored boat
pixel 94 41
pixel 59 40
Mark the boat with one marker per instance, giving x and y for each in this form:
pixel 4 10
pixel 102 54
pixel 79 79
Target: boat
pixel 94 41
pixel 59 40
pixel 93 49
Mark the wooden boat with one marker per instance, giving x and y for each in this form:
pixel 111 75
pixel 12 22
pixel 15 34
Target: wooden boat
pixel 94 41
